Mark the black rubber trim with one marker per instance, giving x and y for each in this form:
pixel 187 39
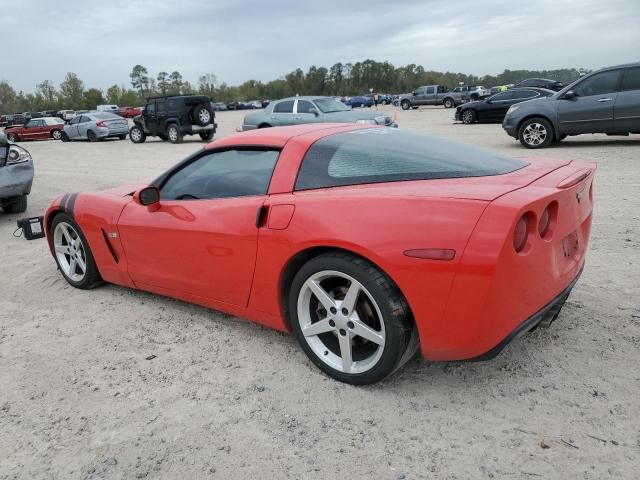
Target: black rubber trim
pixel 71 203
pixel 63 202
pixel 550 310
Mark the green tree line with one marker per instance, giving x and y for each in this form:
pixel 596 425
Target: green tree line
pixel 339 79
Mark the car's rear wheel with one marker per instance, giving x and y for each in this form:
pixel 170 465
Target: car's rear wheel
pixel 72 253
pixel 535 133
pixel 350 318
pixel 405 104
pixel 448 103
pixel 173 133
pixel 207 136
pixel 202 115
pixel 64 137
pixel 91 135
pixel 469 116
pixel 56 134
pixel 12 137
pixel 15 204
pixel 137 135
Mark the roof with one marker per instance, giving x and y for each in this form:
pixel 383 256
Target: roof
pixel 304 97
pixel 279 136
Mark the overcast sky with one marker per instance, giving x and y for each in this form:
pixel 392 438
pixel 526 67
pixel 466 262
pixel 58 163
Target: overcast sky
pixel 263 39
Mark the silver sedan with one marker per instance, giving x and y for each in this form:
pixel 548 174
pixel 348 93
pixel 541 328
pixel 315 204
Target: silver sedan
pixel 95 126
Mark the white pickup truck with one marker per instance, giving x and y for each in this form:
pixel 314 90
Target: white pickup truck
pixel 475 92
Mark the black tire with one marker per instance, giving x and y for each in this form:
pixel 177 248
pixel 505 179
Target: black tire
pixel 405 104
pixel 448 102
pixel 15 204
pixel 541 139
pixel 92 277
pixel 264 125
pixel 396 316
pixel 122 137
pixel 65 137
pixel 207 136
pixel 12 137
pixel 202 115
pixel 137 135
pixel 56 134
pixel 469 116
pixel 91 136
pixel 173 133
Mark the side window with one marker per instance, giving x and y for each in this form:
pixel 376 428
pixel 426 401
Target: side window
pixel 442 89
pixel 232 173
pixel 631 80
pixel 84 119
pixel 173 105
pixel 74 120
pixel 304 106
pixel 431 90
pixel 501 97
pixel 162 107
pixel 524 94
pixel 151 108
pixel 284 107
pixel 40 123
pixel 598 84
pixel 420 91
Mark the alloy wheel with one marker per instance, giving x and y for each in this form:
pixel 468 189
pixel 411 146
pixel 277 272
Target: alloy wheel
pixel 136 134
pixel 204 116
pixel 70 252
pixel 56 134
pixel 172 133
pixel 534 134
pixel 467 116
pixel 341 322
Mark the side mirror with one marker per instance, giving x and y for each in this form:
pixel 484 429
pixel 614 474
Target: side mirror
pixel 147 196
pixel 314 111
pixel 4 141
pixel 569 95
pixel 414 93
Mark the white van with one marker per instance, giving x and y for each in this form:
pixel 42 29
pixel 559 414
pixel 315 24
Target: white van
pixel 107 108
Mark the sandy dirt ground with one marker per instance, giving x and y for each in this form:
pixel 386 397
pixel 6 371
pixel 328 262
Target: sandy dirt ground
pixel 224 398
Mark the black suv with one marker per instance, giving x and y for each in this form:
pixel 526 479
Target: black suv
pixel 173 116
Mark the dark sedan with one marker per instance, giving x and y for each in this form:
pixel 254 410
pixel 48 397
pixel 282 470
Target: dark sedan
pixel 494 108
pixel 541 83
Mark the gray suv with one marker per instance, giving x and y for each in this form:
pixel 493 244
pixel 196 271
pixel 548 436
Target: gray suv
pixel 606 101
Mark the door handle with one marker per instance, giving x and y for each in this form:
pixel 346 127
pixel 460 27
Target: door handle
pixel 604 99
pixel 261 215
pixel 298 118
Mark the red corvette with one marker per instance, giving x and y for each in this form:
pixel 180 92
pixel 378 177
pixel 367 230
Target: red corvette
pixel 366 242
pixel 130 112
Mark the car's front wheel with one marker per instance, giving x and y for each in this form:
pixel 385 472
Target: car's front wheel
pixel 448 103
pixel 350 318
pixel 468 116
pixel 15 204
pixel 64 137
pixel 72 253
pixel 536 133
pixel 137 135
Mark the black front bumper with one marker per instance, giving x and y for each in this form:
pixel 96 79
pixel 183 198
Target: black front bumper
pixel 543 317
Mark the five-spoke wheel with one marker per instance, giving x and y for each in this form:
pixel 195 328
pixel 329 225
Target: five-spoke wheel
pixel 350 319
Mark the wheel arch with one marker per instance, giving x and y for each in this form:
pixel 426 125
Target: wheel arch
pixel 556 133
pixel 303 256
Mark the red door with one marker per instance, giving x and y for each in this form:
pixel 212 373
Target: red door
pixel 199 247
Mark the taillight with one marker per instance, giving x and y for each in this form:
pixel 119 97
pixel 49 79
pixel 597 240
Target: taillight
pixel 521 233
pixel 545 220
pixel 100 123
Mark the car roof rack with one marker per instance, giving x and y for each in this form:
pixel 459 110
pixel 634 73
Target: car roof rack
pixel 156 97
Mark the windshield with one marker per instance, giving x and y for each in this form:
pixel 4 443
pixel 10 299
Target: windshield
pixel 329 105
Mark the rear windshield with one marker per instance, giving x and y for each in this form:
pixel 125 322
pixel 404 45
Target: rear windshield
pixel 390 155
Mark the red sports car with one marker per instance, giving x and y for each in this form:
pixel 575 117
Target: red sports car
pixel 366 242
pixel 45 128
pixel 130 112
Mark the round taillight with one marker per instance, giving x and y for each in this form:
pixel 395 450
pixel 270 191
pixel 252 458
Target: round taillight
pixel 520 233
pixel 545 221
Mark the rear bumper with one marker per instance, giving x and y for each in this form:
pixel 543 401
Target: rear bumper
pixel 543 317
